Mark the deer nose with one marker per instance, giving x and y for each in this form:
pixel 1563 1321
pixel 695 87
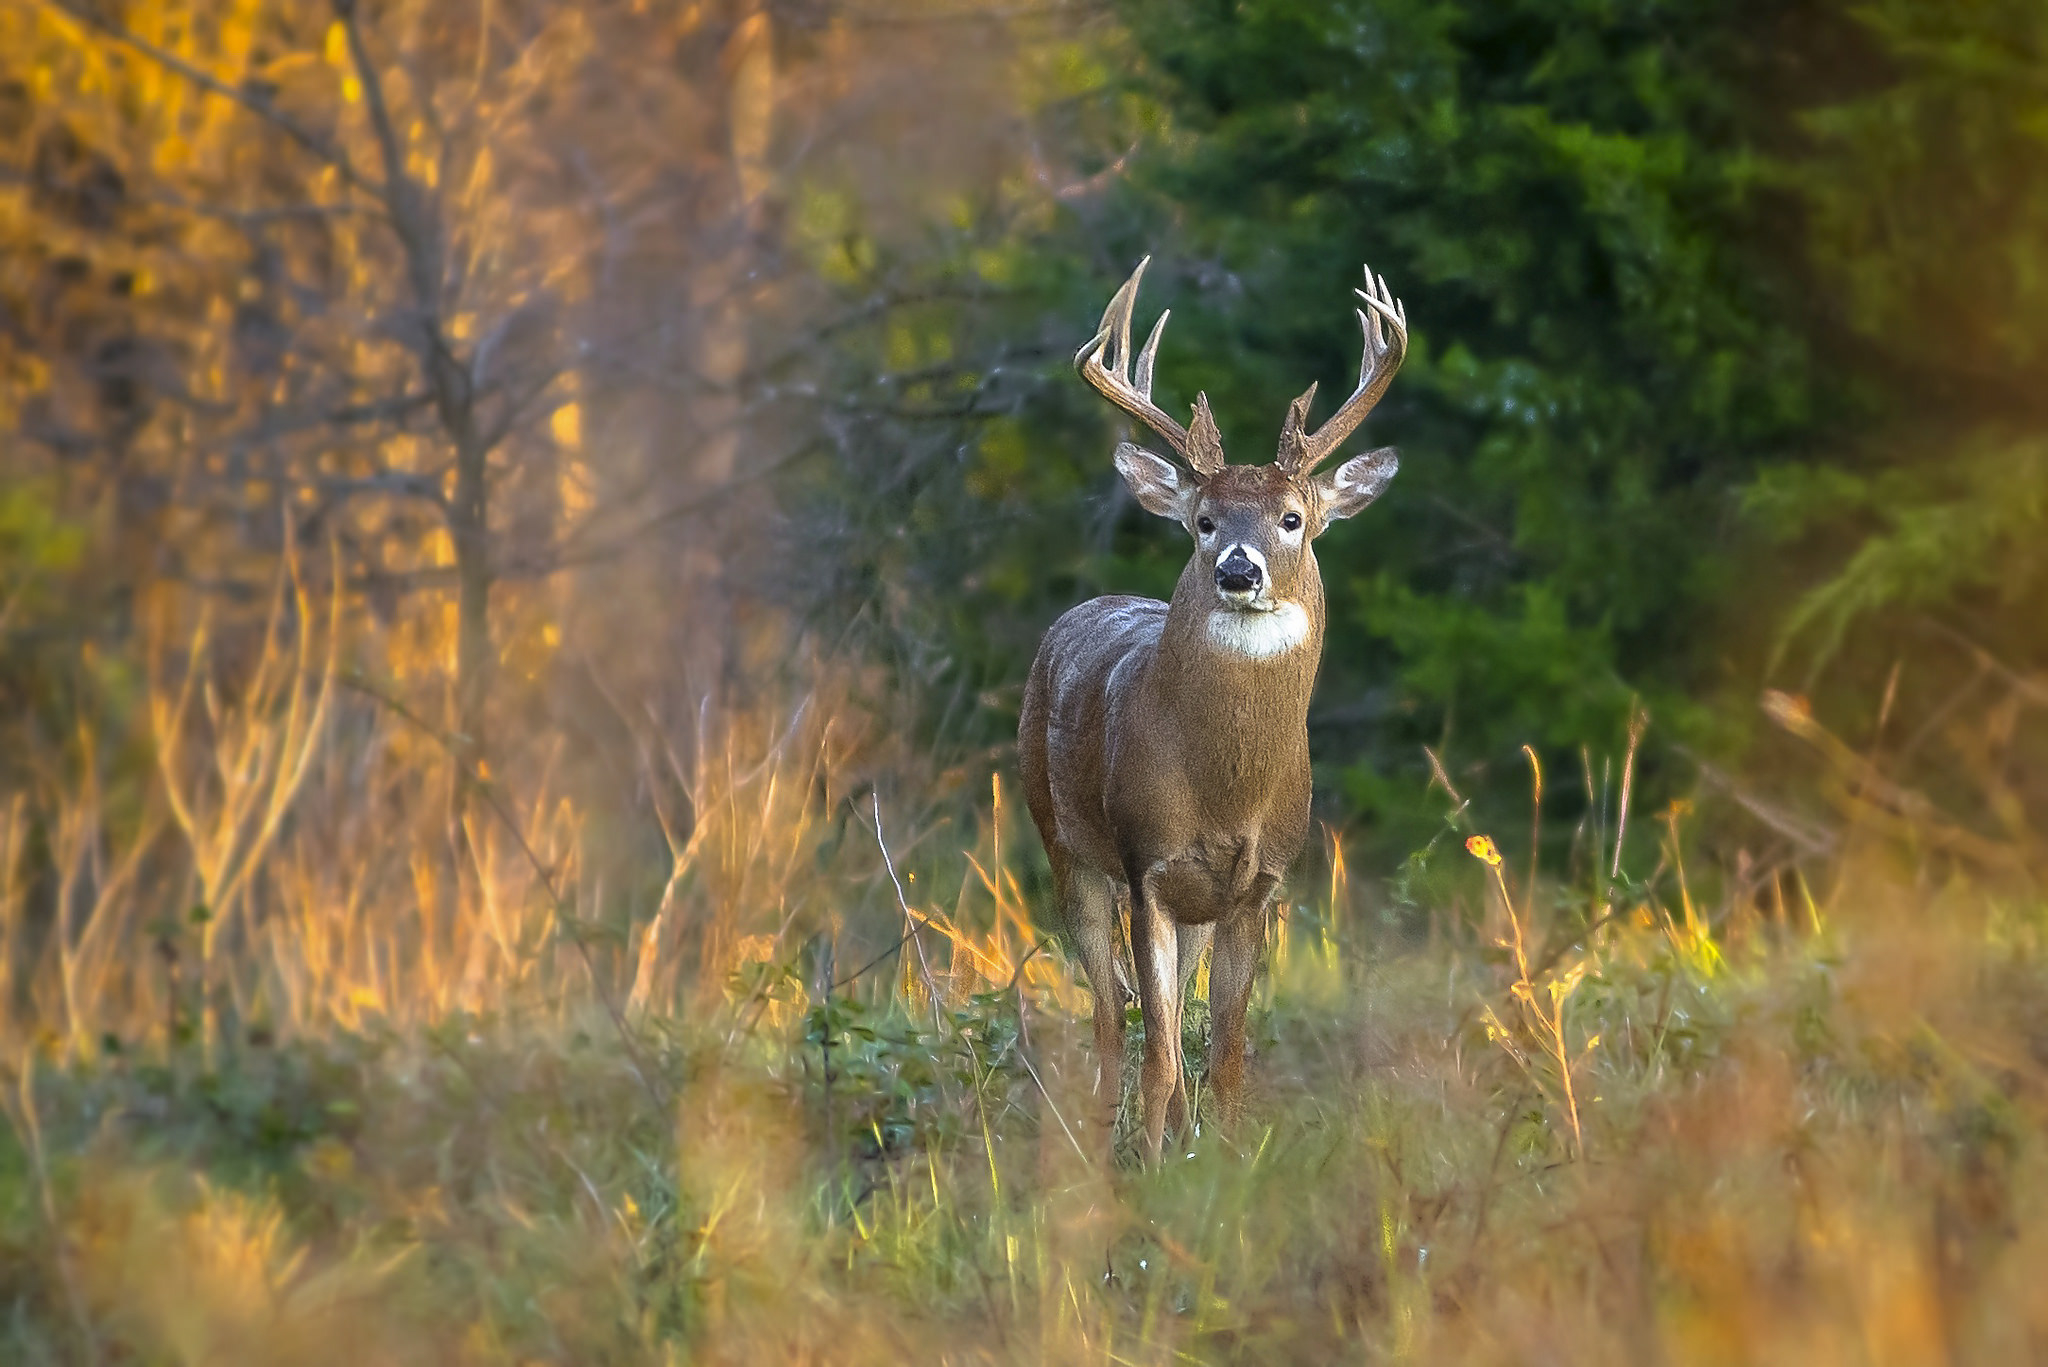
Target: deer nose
pixel 1237 572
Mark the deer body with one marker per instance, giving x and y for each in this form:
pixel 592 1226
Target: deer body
pixel 1164 746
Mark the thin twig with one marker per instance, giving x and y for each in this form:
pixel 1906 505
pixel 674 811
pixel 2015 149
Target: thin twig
pixel 1025 1059
pixel 1025 960
pixel 1436 767
pixel 911 918
pixel 1815 841
pixel 905 938
pixel 2035 690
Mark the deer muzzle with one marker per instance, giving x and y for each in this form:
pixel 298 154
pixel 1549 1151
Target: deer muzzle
pixel 1240 575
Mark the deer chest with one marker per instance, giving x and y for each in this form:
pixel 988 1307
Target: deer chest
pixel 1214 880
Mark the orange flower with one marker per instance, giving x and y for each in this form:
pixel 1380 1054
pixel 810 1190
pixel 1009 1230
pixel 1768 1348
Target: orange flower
pixel 1481 847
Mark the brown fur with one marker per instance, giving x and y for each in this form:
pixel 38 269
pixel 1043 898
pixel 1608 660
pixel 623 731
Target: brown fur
pixel 1164 770
pixel 1165 745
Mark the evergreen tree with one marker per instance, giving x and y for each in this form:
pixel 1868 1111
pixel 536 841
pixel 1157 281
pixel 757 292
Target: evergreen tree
pixel 1725 318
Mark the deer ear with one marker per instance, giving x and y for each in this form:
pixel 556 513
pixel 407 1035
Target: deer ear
pixel 1157 484
pixel 1349 488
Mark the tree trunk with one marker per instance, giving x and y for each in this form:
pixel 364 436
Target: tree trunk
pixel 469 527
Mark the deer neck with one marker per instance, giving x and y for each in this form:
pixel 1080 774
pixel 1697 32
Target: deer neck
pixel 1238 683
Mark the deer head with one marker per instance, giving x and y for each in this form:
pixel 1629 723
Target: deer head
pixel 1252 524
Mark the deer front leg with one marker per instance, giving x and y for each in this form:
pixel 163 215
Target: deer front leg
pixel 1233 964
pixel 1090 907
pixel 1194 942
pixel 1155 944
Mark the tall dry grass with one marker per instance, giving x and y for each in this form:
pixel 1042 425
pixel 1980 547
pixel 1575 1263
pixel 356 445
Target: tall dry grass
pixel 312 854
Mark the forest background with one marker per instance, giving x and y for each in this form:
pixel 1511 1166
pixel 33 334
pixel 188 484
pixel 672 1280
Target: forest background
pixel 454 457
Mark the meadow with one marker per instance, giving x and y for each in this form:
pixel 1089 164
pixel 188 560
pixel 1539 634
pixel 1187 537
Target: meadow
pixel 830 1101
pixel 523 525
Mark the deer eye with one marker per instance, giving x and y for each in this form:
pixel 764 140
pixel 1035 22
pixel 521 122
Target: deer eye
pixel 1290 522
pixel 1205 525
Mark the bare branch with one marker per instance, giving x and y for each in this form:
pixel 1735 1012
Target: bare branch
pixel 393 482
pixel 403 195
pixel 251 218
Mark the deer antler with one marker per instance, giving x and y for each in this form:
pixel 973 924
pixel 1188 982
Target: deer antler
pixel 1302 451
pixel 1199 444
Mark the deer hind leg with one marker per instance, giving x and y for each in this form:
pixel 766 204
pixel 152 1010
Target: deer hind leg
pixel 1240 941
pixel 1192 942
pixel 1155 950
pixel 1089 903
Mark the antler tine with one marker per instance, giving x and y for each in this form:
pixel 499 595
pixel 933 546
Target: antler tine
pixel 1145 357
pixel 1301 451
pixel 1123 305
pixel 1112 378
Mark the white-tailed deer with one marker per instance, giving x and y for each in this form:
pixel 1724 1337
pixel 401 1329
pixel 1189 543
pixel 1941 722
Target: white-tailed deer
pixel 1164 746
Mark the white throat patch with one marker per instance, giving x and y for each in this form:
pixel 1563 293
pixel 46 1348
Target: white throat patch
pixel 1258 635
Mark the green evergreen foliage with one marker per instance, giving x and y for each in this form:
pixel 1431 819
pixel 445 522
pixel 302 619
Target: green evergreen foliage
pixel 1568 197
pixel 1928 206
pixel 1726 324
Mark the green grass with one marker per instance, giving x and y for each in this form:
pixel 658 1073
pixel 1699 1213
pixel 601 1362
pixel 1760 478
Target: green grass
pixel 1799 1146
